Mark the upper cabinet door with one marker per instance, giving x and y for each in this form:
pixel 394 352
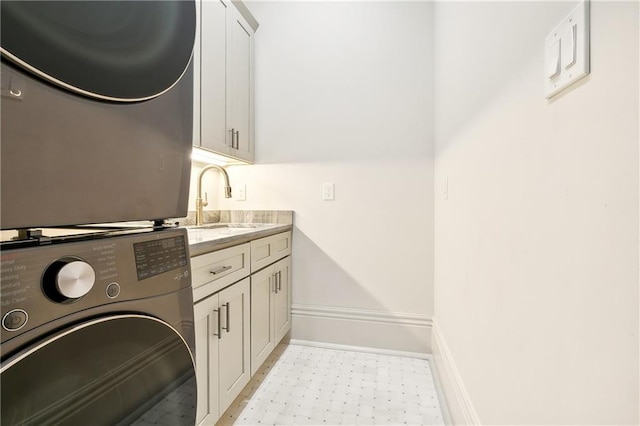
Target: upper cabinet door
pixel 224 88
pixel 241 79
pixel 213 76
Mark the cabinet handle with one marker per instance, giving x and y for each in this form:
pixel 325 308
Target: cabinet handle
pixel 235 138
pixel 220 270
pixel 275 285
pixel 219 331
pixel 279 280
pixel 227 328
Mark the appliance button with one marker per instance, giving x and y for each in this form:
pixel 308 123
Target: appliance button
pixel 14 320
pixel 113 290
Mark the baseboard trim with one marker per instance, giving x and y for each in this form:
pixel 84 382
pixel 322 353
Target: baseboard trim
pixel 362 328
pixel 377 351
pixel 361 315
pixel 447 371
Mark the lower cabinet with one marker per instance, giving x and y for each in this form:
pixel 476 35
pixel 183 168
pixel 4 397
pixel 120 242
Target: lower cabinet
pixel 239 318
pixel 222 349
pixel 270 309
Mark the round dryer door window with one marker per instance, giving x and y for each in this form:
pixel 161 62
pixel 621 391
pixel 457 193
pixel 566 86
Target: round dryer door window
pixel 117 370
pixel 113 50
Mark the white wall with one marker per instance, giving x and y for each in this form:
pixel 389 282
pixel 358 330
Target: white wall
pixel 536 247
pixel 344 95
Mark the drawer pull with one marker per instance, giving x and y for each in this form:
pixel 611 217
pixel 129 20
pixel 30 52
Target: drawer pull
pixel 227 328
pixel 220 270
pixel 219 331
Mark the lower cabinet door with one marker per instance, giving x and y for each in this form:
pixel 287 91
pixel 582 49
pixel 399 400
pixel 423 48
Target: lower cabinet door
pixel 270 310
pixel 234 363
pixel 206 328
pixel 262 298
pixel 282 299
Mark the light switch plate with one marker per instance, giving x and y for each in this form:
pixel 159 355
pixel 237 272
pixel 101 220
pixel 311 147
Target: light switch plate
pixel 572 35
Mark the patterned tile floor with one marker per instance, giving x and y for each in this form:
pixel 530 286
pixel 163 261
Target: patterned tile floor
pixel 301 385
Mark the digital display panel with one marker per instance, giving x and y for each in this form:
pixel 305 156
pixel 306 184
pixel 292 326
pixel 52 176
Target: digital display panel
pixel 159 256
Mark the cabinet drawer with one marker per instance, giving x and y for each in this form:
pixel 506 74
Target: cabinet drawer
pixel 214 271
pixel 267 250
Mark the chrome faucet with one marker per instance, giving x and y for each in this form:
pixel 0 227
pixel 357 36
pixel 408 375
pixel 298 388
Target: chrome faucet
pixel 200 203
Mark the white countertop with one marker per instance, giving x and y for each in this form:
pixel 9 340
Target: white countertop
pixel 216 236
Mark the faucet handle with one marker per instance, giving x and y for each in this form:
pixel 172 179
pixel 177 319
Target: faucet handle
pixel 205 202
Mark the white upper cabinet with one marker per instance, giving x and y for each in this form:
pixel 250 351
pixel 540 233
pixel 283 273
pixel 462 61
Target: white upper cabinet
pixel 223 114
pixel 240 59
pixel 213 76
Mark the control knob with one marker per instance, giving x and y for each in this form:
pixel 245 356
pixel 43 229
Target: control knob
pixel 68 279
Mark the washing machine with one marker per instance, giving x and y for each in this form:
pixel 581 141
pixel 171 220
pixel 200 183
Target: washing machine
pixel 97 329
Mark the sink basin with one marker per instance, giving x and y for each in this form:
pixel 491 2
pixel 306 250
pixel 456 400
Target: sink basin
pixel 230 226
pixel 216 231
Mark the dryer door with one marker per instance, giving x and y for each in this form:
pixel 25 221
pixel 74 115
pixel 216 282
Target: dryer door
pixel 129 369
pixel 115 50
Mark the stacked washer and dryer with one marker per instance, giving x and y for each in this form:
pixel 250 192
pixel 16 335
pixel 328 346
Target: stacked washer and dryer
pixel 97 320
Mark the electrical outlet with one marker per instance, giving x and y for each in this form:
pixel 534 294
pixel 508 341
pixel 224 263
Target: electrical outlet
pixel 445 189
pixel 328 191
pixel 241 192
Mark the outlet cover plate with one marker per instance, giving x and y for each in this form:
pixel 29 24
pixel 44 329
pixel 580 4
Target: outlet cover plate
pixel 328 191
pixel 241 192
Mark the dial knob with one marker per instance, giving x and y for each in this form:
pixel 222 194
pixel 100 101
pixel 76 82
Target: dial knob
pixel 69 279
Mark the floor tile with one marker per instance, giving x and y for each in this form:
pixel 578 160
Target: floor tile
pixel 302 385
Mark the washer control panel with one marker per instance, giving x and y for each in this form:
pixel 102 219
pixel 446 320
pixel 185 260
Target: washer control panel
pixel 41 284
pixel 159 256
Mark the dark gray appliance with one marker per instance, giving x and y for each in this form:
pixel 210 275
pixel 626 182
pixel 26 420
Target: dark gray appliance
pixel 96 111
pixel 96 127
pixel 98 329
